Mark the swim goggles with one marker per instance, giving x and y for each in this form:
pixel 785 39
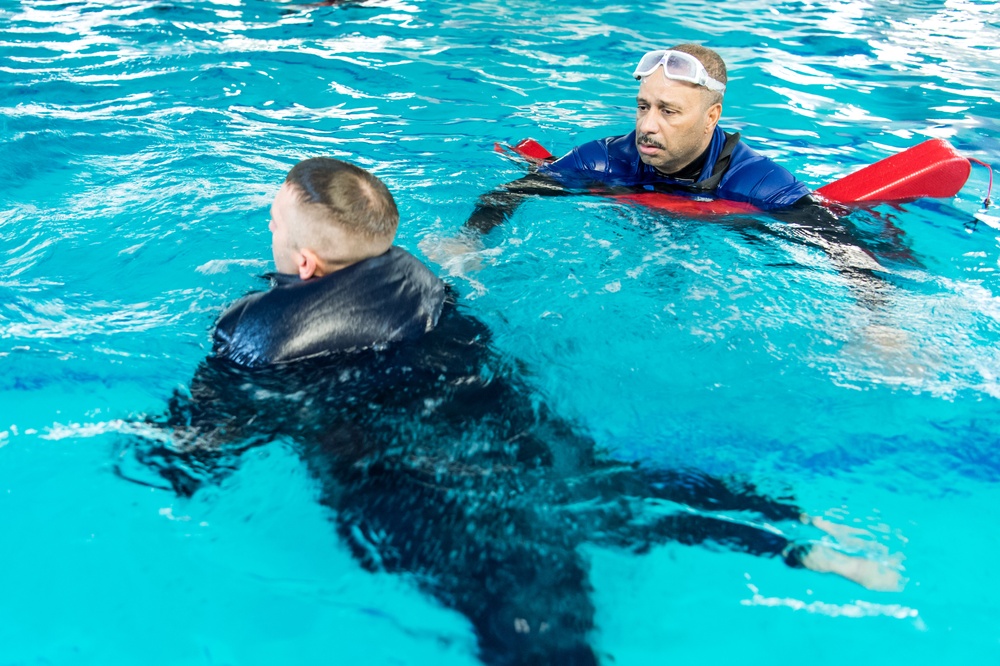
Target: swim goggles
pixel 677 66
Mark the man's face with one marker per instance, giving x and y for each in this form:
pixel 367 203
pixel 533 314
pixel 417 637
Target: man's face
pixel 673 122
pixel 284 212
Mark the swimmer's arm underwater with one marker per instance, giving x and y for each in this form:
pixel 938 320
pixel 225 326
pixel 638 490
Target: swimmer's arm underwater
pixel 496 207
pixel 460 252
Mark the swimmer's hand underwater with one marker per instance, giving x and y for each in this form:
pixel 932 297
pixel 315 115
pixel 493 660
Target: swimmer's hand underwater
pixel 459 254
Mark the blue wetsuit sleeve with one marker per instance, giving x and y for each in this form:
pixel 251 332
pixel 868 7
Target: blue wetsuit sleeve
pixel 581 166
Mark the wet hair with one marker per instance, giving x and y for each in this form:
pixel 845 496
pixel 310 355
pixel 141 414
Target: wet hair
pixel 353 199
pixel 713 63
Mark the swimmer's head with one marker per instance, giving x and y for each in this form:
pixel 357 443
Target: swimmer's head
pixel 328 215
pixel 678 105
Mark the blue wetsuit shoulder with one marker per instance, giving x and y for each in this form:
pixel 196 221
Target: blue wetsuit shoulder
pixel 380 300
pixel 759 180
pixel 613 161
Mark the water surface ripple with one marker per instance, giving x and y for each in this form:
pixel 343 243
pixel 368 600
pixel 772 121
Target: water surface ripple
pixel 142 143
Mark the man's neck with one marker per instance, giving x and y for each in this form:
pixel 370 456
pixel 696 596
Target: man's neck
pixel 693 170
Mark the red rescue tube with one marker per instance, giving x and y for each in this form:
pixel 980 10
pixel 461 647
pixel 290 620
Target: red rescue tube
pixel 529 149
pixel 929 169
pixel 687 206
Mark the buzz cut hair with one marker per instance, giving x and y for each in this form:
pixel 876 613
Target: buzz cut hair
pixel 353 199
pixel 713 64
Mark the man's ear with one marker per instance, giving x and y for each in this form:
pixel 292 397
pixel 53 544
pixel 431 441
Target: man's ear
pixel 309 264
pixel 714 112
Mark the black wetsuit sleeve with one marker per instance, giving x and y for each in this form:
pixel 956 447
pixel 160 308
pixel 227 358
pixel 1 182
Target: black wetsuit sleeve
pixel 494 208
pixel 823 225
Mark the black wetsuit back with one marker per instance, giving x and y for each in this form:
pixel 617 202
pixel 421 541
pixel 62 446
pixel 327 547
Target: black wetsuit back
pixel 374 302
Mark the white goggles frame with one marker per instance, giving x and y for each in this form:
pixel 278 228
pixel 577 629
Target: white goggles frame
pixel 678 66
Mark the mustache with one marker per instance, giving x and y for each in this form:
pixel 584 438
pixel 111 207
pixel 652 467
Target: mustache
pixel 644 140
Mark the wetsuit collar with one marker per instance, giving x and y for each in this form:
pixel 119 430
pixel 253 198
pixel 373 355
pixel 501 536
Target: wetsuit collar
pixel 691 172
pixel 281 279
pixel 714 149
pixel 285 279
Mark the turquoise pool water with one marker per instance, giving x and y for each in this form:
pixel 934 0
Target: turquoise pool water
pixel 142 143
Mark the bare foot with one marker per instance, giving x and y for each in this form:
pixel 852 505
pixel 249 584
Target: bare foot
pixel 854 538
pixel 867 573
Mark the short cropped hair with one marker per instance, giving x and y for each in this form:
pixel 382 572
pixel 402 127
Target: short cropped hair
pixel 352 198
pixel 713 63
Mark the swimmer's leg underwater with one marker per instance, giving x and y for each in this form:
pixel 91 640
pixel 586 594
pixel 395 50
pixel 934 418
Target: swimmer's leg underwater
pixel 477 540
pixel 458 498
pixel 636 508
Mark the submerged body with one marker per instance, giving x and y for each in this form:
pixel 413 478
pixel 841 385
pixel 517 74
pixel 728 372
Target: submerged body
pixel 437 460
